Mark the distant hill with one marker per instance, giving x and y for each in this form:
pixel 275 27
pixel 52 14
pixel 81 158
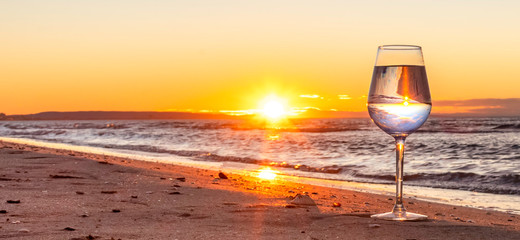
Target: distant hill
pixel 115 115
pixel 111 115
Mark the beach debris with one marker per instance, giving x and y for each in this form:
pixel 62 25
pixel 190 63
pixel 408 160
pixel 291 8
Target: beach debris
pixel 116 210
pixel 13 201
pixel 23 230
pixel 16 222
pixel 290 206
pixel 336 204
pixel 69 229
pixel 6 179
pixel 108 192
pixel 185 215
pixel 84 215
pixel 149 192
pixel 89 237
pixel 104 162
pixel 182 179
pixel 470 221
pixel 302 231
pixel 315 193
pixel 63 176
pixel 177 185
pixel 374 225
pixel 230 203
pixel 80 192
pixel 174 193
pixel 162 178
pixel 133 196
pixel 3 211
pixel 303 200
pixel 222 175
pixel 15 152
pixel 509 220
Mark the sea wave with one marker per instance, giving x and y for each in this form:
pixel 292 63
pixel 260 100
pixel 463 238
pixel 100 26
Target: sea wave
pixel 498 184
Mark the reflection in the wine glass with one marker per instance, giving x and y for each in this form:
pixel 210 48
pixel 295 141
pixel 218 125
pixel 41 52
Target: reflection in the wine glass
pixel 399 118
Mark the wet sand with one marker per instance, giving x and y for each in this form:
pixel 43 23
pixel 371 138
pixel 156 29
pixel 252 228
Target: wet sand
pixel 73 195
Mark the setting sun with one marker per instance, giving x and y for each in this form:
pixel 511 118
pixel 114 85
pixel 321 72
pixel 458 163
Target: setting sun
pixel 273 108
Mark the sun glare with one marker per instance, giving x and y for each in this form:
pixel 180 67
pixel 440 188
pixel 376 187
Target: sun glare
pixel 267 173
pixel 273 108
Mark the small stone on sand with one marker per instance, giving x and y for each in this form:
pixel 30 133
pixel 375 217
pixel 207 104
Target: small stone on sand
pixel 336 204
pixel 23 230
pixel 79 193
pixel 374 225
pixel 303 200
pixel 13 201
pixel 222 175
pixel 69 229
pixel 182 179
pixel 116 210
pixel 3 211
pixel 108 192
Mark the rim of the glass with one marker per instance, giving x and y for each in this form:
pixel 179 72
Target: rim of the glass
pixel 399 47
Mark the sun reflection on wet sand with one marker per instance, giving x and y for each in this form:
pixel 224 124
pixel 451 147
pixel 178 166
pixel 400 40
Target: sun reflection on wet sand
pixel 267 173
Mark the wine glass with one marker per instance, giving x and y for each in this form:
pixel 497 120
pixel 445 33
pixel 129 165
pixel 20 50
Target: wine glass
pixel 399 103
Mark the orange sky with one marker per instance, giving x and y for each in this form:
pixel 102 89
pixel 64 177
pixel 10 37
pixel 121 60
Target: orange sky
pixel 228 55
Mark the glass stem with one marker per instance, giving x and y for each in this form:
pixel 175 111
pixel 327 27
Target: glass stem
pixel 399 163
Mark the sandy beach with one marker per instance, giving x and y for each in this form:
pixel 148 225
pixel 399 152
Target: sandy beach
pixel 59 194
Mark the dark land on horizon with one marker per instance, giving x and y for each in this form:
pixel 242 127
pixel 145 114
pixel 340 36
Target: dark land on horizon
pixel 129 115
pixel 151 115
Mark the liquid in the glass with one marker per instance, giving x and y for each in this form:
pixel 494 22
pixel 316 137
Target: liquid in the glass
pixel 399 101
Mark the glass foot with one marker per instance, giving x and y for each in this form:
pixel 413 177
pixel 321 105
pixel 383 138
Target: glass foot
pixel 400 216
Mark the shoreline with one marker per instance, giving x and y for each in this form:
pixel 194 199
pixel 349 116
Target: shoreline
pixel 203 206
pixel 485 201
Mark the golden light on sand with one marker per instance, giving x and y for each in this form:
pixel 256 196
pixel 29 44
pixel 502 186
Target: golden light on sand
pixel 267 173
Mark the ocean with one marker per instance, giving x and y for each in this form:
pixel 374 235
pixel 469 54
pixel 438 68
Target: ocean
pixel 469 155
